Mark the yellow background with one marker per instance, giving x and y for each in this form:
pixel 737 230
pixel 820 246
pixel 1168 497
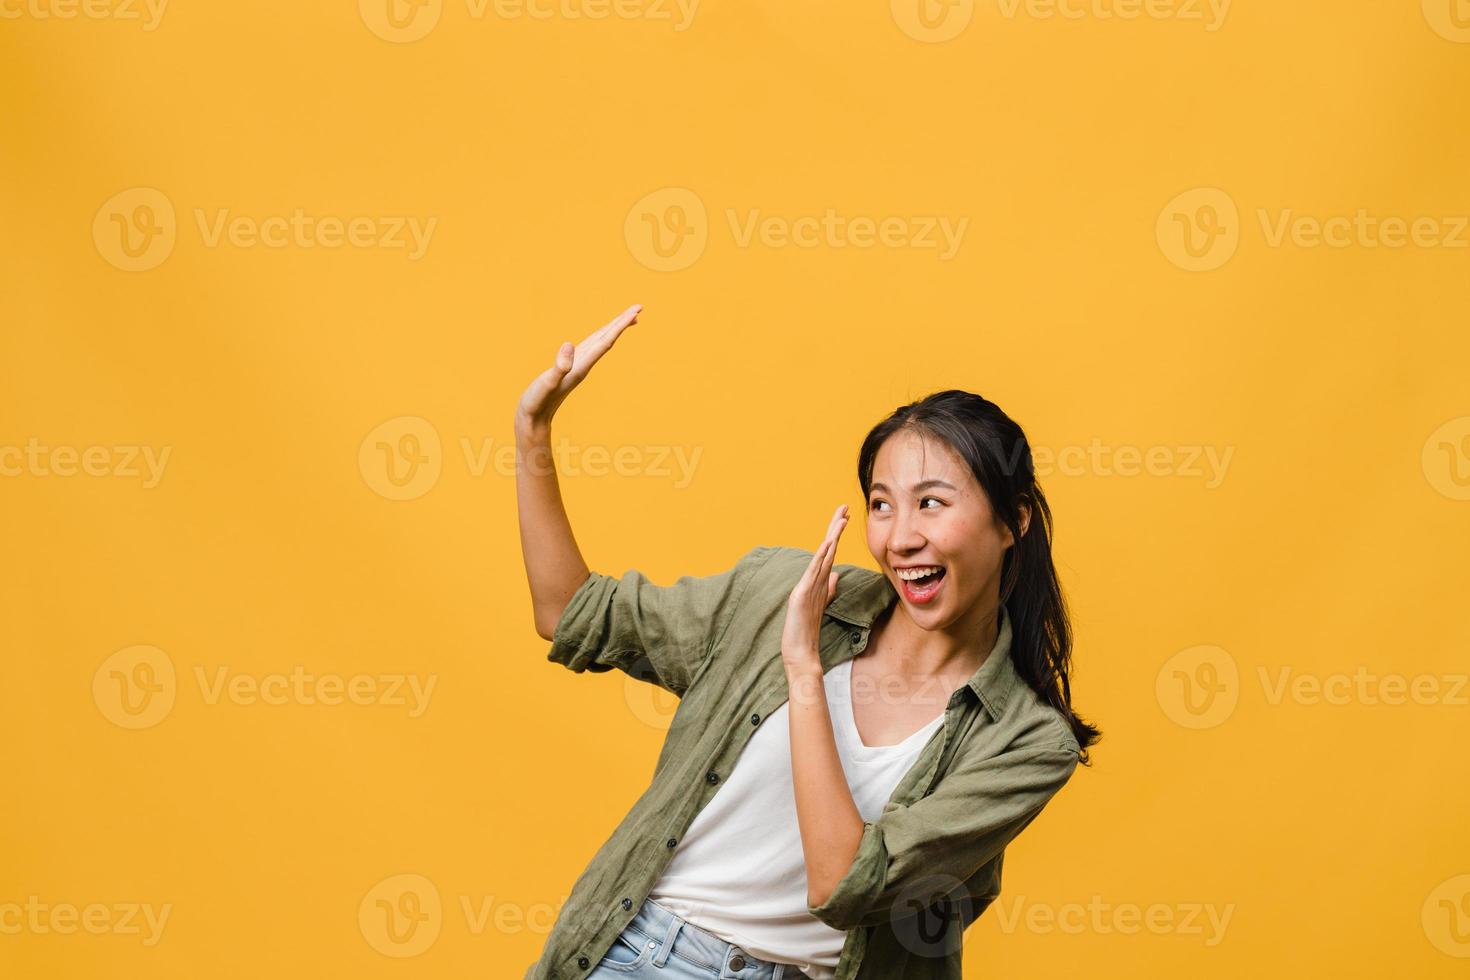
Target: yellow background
pixel 1333 833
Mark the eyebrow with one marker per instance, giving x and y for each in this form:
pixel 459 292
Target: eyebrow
pixel 922 485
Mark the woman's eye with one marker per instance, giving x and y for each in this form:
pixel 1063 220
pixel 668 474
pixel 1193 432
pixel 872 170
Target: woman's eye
pixel 876 504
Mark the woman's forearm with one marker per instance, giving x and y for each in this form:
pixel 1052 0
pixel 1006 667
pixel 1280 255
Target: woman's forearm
pixel 554 565
pixel 831 826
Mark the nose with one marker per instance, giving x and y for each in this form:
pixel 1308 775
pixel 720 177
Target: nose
pixel 906 537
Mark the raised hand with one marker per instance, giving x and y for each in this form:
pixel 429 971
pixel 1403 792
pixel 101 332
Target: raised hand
pixel 816 588
pixel 544 396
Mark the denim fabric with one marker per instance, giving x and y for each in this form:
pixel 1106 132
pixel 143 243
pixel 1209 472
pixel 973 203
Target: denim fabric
pixel 659 944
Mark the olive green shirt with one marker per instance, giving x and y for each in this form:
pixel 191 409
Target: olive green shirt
pixel 931 863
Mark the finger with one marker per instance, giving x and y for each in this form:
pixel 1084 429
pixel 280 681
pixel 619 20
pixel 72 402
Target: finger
pixel 829 541
pixel 560 365
pixel 809 576
pixel 834 534
pixel 822 559
pixel 829 552
pixel 831 586
pixel 838 522
pixel 545 383
pixel 599 341
pixel 624 319
pixel 806 586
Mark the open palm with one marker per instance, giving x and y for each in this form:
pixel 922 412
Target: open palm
pixel 800 636
pixel 551 387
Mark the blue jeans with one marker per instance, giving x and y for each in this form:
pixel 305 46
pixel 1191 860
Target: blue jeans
pixel 659 944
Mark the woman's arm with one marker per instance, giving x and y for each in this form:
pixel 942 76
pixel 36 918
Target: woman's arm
pixel 830 824
pixel 554 565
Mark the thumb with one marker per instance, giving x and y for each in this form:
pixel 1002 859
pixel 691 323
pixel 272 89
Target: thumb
pixel 564 357
pixel 831 585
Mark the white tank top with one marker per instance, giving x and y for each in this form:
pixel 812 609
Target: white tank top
pixel 739 872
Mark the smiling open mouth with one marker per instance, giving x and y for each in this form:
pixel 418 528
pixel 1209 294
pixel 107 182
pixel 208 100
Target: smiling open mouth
pixel 923 586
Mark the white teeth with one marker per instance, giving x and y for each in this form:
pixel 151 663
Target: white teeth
pixel 909 574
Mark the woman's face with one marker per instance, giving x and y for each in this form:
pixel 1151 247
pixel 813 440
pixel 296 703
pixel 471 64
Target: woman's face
pixel 926 511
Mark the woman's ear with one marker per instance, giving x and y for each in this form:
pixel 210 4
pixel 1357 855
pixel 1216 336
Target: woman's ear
pixel 1025 518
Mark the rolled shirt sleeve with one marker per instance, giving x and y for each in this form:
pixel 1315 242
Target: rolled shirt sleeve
pixel 655 633
pixel 913 856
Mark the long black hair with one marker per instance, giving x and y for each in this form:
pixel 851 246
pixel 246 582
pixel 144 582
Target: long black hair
pixel 1000 457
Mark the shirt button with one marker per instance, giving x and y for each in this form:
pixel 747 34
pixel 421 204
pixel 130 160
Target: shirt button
pixel 672 841
pixel 712 776
pixel 755 719
pixel 855 636
pixel 627 904
pixel 583 962
pixel 737 962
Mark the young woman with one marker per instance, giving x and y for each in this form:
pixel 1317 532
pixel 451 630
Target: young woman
pixel 852 750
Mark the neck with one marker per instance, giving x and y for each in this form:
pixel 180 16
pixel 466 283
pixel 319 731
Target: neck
pixel 960 647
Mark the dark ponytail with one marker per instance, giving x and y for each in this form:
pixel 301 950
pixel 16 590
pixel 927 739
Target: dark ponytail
pixel 1000 457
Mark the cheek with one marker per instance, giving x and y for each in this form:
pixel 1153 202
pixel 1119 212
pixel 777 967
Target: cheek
pixel 973 541
pixel 963 534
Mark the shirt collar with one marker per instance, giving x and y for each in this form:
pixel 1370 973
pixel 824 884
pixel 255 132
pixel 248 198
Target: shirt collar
pixel 869 593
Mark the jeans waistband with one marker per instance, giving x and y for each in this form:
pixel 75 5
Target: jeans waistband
pixel 679 936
